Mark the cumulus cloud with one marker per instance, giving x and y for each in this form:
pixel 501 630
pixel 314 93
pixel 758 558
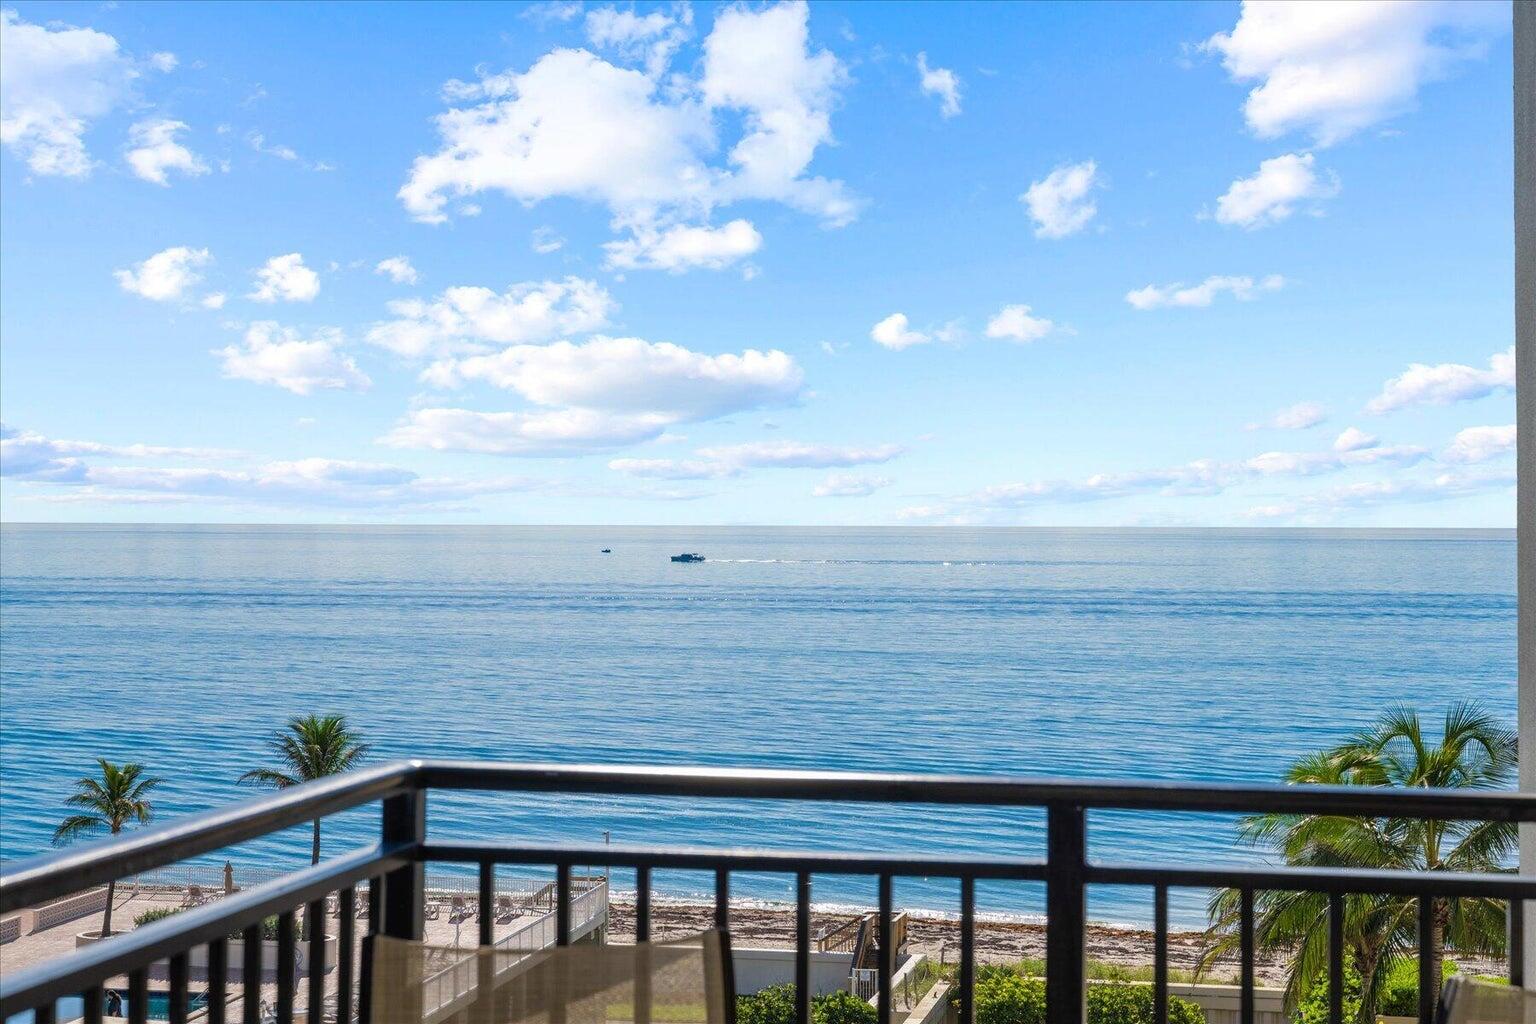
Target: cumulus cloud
pixel 1273 192
pixel 940 82
pixel 546 240
pixel 631 375
pixel 849 485
pixel 650 39
pixel 1315 463
pixel 1334 69
pixel 1061 203
pixel 1353 439
pixel 683 247
pixel 470 319
pixel 168 275
pixel 398 269
pixel 576 125
pixel 895 333
pixel 54 81
pixel 1445 383
pixel 1016 323
pixel 281 356
pixel 286 278
pixel 28 454
pixel 1374 493
pixel 546 433
pixel 1479 444
pixel 1203 294
pixel 154 151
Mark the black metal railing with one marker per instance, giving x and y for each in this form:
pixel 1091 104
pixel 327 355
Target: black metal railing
pixel 393 871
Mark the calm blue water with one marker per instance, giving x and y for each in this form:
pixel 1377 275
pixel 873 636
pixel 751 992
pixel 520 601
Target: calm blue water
pixel 1198 654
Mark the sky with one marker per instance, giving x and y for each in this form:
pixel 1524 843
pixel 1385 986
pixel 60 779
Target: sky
pixel 846 264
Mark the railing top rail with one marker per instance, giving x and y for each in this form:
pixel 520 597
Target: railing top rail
pixel 990 790
pixel 40 878
pixel 36 879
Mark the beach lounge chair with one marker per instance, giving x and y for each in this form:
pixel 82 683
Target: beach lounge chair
pixel 687 981
pixel 194 896
pixel 434 910
pixel 504 909
pixel 1468 1001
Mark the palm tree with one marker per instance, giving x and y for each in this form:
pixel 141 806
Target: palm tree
pixel 1473 751
pixel 109 802
pixel 310 747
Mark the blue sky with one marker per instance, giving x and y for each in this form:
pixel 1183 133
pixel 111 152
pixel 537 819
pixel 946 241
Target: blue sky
pixel 1200 264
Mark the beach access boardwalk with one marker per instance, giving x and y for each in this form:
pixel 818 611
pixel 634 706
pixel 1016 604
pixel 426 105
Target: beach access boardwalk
pixel 524 920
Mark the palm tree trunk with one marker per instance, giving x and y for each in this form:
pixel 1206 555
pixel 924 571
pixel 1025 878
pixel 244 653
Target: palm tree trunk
pixel 314 846
pixel 106 919
pixel 1436 945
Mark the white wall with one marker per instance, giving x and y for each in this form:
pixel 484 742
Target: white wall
pixel 757 969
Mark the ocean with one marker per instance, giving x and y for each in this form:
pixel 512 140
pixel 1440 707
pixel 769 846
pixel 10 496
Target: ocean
pixel 1185 654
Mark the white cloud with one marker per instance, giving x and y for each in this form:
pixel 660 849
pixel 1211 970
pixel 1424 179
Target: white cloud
pixel 1315 463
pixel 940 82
pixel 1060 202
pixel 552 11
pixel 1203 294
pixel 155 151
pixel 1293 417
pixel 849 485
pixel 1444 383
pixel 1353 439
pixel 732 460
pixel 26 453
pixel 273 354
pixel 579 126
pixel 681 248
pixel 398 269
pixel 895 333
pixel 1334 69
pixel 54 81
pixel 546 240
pixel 1271 194
pixel 470 319
pixel 560 432
pixel 1016 324
pixel 1479 444
pixel 286 278
pixel 1374 493
pixel 164 61
pixel 649 39
pixel 166 276
pixel 630 375
pixel 213 300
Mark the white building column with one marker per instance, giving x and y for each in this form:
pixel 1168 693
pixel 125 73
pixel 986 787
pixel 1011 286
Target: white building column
pixel 1525 417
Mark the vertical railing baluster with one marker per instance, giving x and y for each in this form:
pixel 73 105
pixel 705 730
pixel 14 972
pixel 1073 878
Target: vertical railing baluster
pixel 887 949
pixel 95 1005
pixel 487 903
pixel 967 950
pixel 642 904
pixel 1066 909
pixel 803 948
pixel 1427 991
pixel 1160 954
pixel 48 1013
pixel 1516 944
pixel 1336 958
pixel 315 917
pixel 562 905
pixel 176 976
pixel 722 899
pixel 138 996
pixel 285 956
pixel 250 975
pixel 345 939
pixel 643 939
pixel 1245 942
pixel 218 980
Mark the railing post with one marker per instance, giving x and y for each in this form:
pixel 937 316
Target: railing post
pixel 1066 844
pixel 405 821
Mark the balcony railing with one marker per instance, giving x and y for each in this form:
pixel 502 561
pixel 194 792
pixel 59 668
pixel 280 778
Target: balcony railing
pixel 393 870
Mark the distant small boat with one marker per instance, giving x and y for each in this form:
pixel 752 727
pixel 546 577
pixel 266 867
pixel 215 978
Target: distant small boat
pixel 688 556
pixel 607 551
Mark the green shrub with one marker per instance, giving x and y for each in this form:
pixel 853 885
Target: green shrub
pixel 776 1005
pixel 268 930
pixel 1005 996
pixel 155 914
pixel 1400 991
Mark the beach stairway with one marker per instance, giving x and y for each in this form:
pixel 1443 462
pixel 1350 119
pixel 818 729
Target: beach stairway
pixel 861 937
